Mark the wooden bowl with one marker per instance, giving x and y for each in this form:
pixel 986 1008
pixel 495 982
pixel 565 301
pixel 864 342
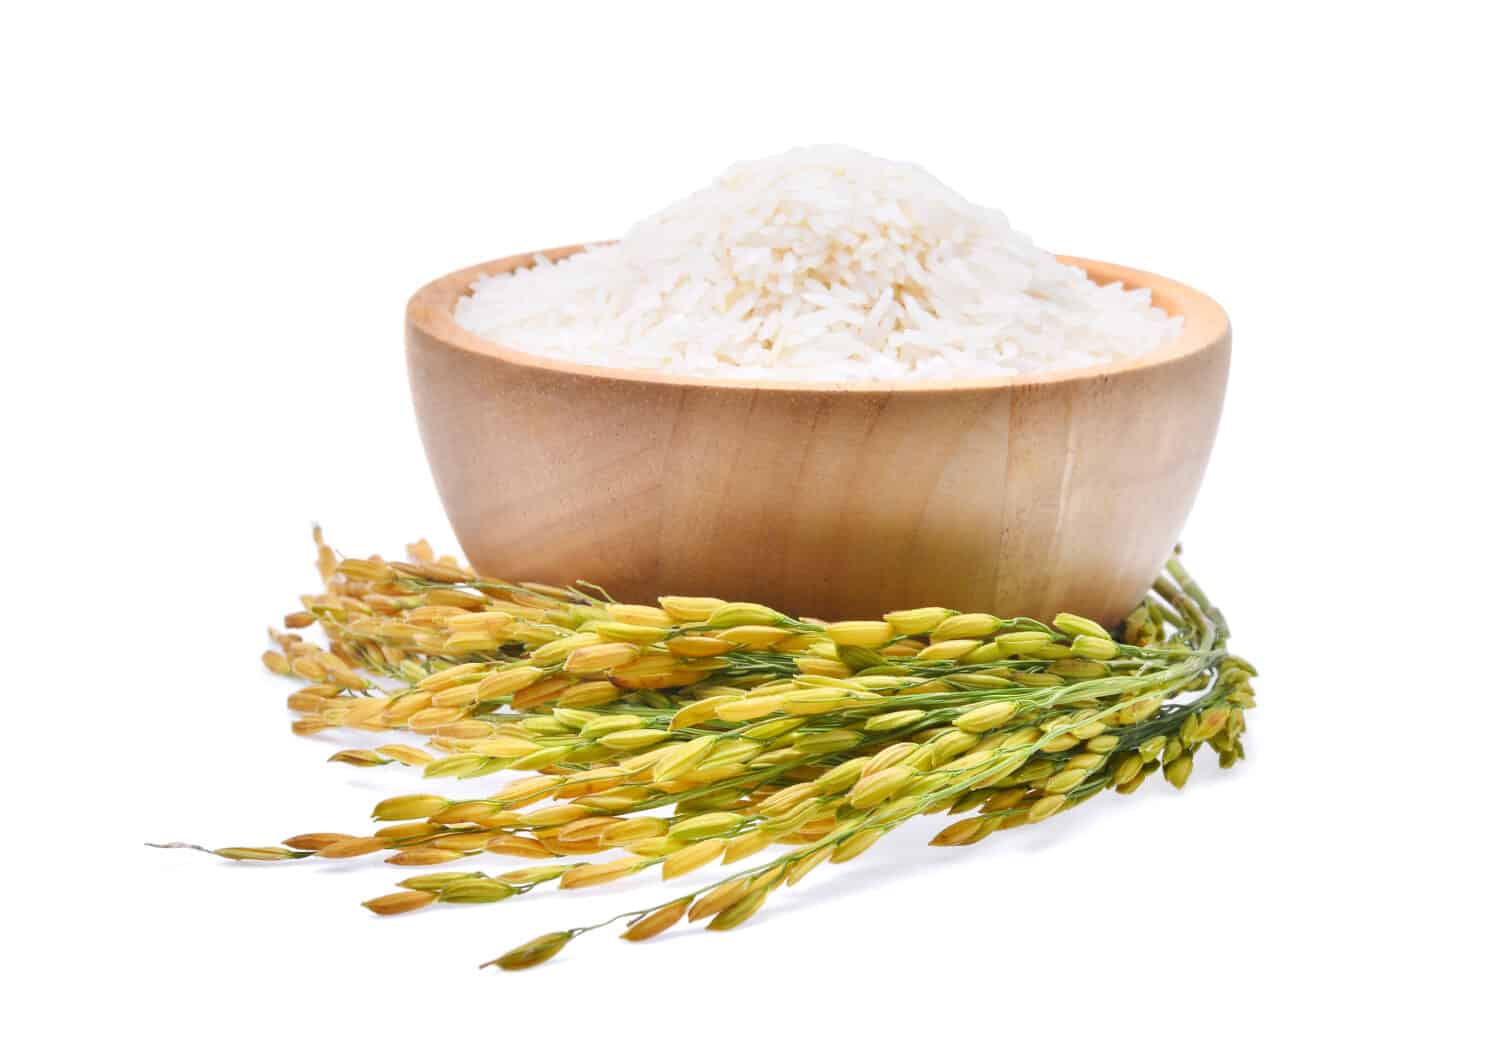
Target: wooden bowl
pixel 1023 495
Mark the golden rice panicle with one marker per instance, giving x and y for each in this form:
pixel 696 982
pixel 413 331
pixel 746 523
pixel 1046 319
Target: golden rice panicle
pixel 698 729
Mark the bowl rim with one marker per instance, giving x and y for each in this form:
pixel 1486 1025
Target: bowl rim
pixel 1205 325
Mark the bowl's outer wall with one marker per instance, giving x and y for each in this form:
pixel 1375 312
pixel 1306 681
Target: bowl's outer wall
pixel 1022 499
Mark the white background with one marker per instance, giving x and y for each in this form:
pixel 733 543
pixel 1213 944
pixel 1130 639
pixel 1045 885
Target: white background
pixel 212 219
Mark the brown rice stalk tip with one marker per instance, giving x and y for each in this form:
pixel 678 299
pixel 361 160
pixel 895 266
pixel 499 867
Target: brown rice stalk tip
pixel 699 730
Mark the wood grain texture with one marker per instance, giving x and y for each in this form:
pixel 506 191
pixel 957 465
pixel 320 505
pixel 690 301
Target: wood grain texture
pixel 1026 495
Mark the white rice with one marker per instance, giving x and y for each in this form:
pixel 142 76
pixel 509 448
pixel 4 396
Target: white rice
pixel 823 265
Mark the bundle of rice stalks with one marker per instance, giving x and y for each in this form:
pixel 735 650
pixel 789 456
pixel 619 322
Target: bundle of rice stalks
pixel 701 730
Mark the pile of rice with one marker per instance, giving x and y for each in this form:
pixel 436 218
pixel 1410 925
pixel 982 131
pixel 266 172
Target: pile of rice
pixel 823 264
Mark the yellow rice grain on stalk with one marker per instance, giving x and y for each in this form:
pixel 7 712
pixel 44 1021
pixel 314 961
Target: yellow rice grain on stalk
pixel 965 627
pixel 716 900
pixel 539 693
pixel 818 666
pixel 626 632
pixel 538 950
pixel 314 841
pixel 405 754
pixel 352 847
pixel 690 608
pixel 860 633
pixel 1074 625
pixel 753 637
pixel 603 872
pixel 691 857
pixel 517 846
pixel 728 615
pixel 1022 642
pixel 699 646
pixel 656 921
pixel 947 650
pixel 401 902
pixel 599 657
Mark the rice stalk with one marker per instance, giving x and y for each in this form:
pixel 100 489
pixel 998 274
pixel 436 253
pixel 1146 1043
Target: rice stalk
pixel 667 738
